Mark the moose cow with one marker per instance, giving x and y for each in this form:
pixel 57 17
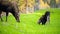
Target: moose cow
pixel 44 18
pixel 12 7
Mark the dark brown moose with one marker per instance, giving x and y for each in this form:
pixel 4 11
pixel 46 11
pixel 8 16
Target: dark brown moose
pixel 7 6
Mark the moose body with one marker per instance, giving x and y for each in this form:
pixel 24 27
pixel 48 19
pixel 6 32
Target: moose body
pixel 9 7
pixel 44 18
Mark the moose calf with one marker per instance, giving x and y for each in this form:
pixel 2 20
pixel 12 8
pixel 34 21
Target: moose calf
pixel 44 18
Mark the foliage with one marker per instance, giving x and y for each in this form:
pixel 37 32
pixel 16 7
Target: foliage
pixel 51 4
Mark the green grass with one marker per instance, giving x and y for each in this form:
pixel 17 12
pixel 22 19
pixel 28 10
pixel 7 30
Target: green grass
pixel 28 24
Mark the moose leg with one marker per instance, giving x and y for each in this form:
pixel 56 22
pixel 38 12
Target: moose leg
pixel 6 16
pixel 0 16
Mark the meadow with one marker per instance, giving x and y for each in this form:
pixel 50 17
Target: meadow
pixel 28 23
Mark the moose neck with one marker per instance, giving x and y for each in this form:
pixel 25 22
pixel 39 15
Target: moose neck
pixel 15 14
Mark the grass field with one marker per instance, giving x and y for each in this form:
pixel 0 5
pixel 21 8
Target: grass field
pixel 28 24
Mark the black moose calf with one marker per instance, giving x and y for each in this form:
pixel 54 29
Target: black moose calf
pixel 44 18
